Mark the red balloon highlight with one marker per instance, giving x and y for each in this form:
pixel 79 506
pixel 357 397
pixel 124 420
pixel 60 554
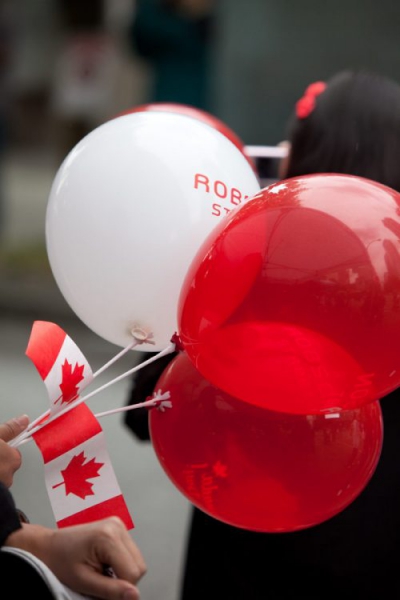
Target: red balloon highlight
pixel 257 469
pixel 292 302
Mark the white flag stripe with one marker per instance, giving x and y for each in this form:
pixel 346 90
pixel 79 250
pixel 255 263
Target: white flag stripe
pixel 104 487
pixel 69 351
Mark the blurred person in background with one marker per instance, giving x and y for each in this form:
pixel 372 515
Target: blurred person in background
pixel 84 80
pixel 175 37
pixel 349 125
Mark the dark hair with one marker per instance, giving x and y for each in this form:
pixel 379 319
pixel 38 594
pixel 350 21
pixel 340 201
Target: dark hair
pixel 353 129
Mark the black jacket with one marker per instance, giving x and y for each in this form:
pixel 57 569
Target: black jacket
pixel 9 518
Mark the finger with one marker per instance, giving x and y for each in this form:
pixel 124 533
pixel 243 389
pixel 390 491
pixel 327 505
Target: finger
pixel 125 558
pixel 10 429
pixel 119 551
pixel 127 563
pixel 107 588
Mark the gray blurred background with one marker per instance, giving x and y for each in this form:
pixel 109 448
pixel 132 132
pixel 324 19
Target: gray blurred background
pixel 68 66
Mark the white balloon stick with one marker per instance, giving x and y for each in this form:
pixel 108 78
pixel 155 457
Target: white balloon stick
pixel 27 434
pixel 266 151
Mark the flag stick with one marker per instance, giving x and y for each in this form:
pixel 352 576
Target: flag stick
pixel 30 431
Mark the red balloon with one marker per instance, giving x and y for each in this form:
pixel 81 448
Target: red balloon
pixel 195 113
pixel 257 469
pixel 293 301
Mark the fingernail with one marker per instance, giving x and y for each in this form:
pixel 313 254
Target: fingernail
pixel 23 421
pixel 129 595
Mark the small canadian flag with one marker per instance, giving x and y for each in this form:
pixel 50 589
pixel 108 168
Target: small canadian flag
pixel 60 363
pixel 79 476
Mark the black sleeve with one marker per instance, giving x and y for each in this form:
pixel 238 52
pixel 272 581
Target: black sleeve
pixel 142 387
pixel 9 518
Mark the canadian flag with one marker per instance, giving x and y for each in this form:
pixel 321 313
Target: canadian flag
pixel 79 476
pixel 60 363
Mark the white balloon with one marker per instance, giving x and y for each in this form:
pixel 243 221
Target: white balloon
pixel 128 209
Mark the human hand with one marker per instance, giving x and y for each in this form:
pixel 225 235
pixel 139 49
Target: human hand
pixel 77 556
pixel 10 458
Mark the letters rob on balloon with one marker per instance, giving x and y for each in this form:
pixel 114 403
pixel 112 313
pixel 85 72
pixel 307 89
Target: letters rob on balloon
pixel 232 196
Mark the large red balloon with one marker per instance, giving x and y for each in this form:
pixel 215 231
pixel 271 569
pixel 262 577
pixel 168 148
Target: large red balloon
pixel 257 469
pixel 195 113
pixel 293 301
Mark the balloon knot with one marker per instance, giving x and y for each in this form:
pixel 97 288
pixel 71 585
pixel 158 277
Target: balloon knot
pixel 141 336
pixel 177 341
pixel 160 401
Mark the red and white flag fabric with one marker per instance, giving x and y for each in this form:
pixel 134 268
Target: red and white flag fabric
pixel 79 476
pixel 60 363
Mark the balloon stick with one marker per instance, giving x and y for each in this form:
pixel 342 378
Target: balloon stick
pixel 39 423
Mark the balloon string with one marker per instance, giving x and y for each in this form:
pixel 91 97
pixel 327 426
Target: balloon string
pixel 116 357
pixel 34 428
pixel 146 404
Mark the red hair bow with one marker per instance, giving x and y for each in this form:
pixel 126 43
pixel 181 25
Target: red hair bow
pixel 306 104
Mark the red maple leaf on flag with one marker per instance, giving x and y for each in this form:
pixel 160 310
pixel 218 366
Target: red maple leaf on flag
pixel 76 476
pixel 70 380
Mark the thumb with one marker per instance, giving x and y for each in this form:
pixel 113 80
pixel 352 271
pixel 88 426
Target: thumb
pixel 10 429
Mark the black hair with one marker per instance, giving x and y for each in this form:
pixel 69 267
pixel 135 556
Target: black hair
pixel 353 129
